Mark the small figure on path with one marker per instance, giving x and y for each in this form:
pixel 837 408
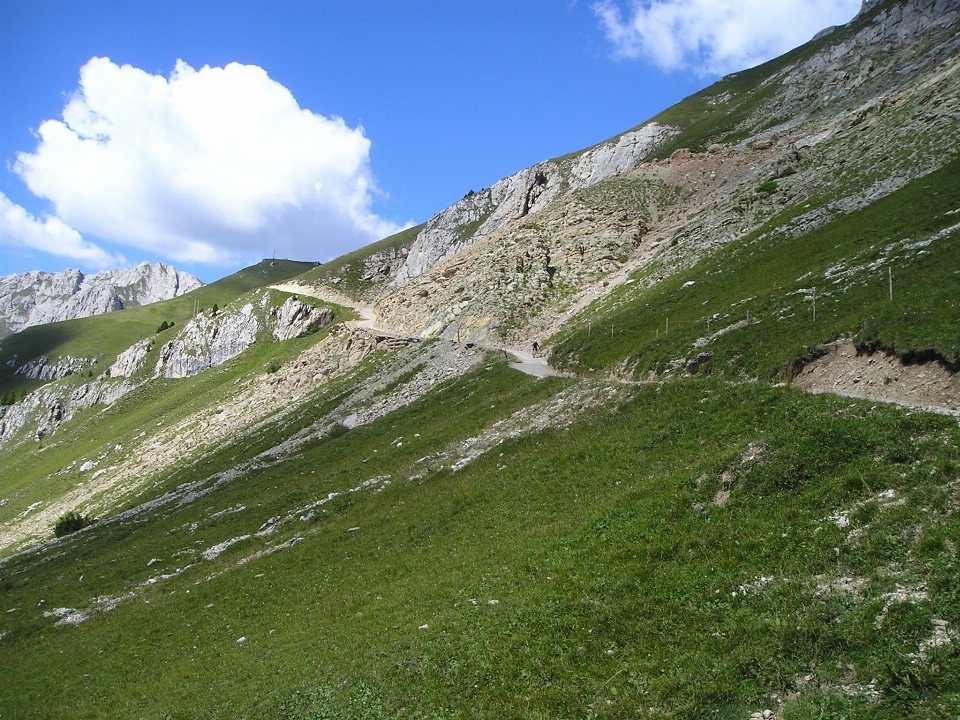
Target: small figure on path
pixel 536 348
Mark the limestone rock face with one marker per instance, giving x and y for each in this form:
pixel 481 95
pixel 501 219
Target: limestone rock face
pixel 49 407
pixel 616 157
pixel 478 215
pixel 35 298
pixel 45 369
pixel 295 319
pixel 208 341
pixel 130 360
pixel 525 193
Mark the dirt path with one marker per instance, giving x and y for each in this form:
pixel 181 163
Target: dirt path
pixel 531 365
pixel 525 362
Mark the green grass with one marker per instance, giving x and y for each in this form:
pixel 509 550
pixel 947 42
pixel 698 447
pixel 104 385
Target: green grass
pixel 766 274
pixel 614 592
pixel 349 267
pixel 35 472
pixel 105 336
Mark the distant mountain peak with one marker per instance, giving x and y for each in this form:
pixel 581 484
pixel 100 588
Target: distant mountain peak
pixel 36 297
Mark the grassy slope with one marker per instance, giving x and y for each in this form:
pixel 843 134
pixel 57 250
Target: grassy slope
pixel 613 594
pixel 766 274
pixel 105 336
pixel 33 473
pixel 349 267
pixel 579 573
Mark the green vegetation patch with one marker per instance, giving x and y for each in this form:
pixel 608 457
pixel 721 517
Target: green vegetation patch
pixel 752 303
pixel 702 551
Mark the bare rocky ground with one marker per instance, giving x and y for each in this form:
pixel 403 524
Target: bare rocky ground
pixel 885 378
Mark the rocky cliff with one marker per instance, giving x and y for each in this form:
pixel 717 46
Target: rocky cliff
pixel 829 128
pixel 522 194
pixel 35 298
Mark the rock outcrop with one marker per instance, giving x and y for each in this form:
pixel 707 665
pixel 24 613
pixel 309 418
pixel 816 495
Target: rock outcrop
pixel 51 406
pixel 45 369
pixel 130 360
pixel 525 193
pixel 208 341
pixel 35 298
pixel 295 319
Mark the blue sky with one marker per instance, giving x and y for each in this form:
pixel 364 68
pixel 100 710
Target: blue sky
pixel 218 133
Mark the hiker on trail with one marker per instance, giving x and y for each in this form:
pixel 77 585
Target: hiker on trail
pixel 536 348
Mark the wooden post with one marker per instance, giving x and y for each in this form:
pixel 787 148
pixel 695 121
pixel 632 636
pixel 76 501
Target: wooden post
pixel 708 326
pixel 611 331
pixel 890 278
pixel 589 329
pixel 667 330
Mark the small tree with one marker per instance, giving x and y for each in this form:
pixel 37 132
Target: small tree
pixel 70 522
pixel 163 326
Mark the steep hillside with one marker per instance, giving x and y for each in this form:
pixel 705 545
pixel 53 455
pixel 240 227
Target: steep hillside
pixel 284 510
pixel 52 351
pixel 817 134
pixel 36 298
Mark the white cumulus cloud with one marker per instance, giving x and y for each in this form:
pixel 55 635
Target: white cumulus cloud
pixel 210 165
pixel 714 37
pixel 18 228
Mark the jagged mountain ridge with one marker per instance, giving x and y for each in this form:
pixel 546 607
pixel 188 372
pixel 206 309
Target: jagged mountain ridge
pixel 36 297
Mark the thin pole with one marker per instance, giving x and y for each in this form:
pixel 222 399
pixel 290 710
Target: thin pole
pixel 814 304
pixel 890 278
pixel 667 330
pixel 708 326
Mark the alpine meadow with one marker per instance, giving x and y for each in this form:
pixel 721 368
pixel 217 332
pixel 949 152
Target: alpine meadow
pixel 662 428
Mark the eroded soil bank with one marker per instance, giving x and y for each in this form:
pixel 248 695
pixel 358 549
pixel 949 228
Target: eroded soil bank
pixel 882 377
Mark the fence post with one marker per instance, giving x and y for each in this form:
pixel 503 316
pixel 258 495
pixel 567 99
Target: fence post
pixel 890 278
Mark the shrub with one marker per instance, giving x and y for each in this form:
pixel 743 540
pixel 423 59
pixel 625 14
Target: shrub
pixel 163 326
pixel 71 522
pixel 769 187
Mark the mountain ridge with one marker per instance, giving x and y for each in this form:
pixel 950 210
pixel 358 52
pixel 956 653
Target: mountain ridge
pixel 37 297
